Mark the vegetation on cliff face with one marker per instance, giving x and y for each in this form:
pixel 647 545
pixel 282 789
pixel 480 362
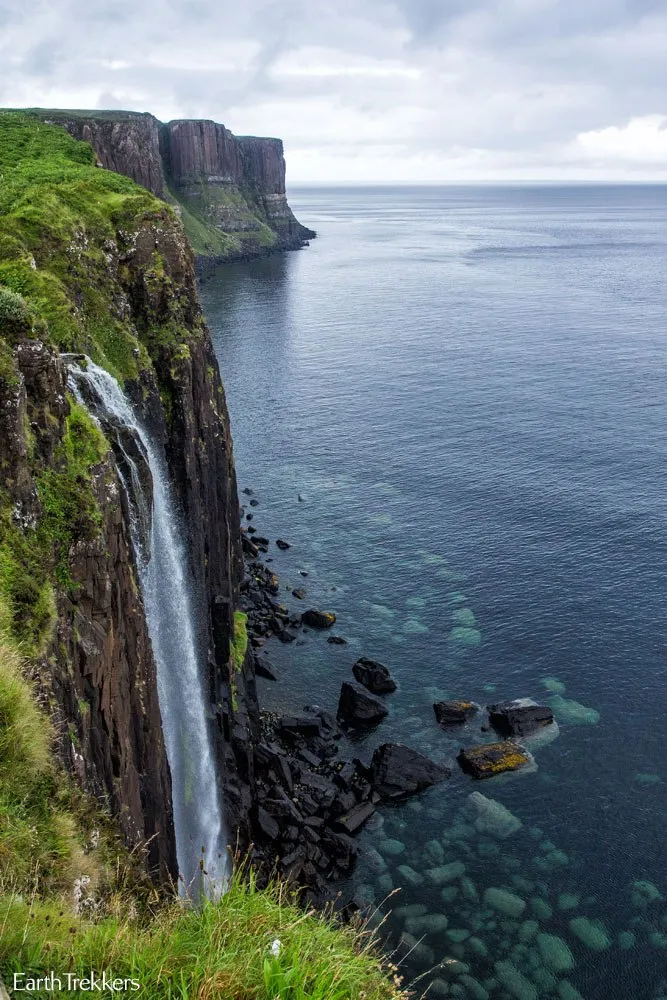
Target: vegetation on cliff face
pixel 83 268
pixel 222 222
pixel 69 235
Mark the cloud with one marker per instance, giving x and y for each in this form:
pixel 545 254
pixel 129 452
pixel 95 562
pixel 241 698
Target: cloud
pixel 642 142
pixel 369 89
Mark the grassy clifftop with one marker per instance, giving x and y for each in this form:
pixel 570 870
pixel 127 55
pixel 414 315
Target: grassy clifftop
pixel 72 241
pixel 91 262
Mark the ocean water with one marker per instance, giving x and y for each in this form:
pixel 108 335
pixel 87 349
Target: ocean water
pixel 466 387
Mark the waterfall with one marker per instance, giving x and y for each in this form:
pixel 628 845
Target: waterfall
pixel 160 551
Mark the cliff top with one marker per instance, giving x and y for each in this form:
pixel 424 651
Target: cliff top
pixel 113 115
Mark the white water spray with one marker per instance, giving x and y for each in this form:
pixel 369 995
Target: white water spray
pixel 201 838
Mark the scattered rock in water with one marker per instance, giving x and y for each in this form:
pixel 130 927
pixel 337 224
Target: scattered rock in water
pixel 448 713
pixel 248 492
pixel 444 874
pixel 385 884
pixel 398 771
pixel 644 893
pixel 592 933
pixel 566 991
pixel 318 619
pixel 434 851
pixel 626 940
pixel 555 953
pixel 336 640
pixel 463 616
pixel 466 636
pixel 647 779
pixel 553 685
pixel 431 923
pixel 357 706
pixel 505 902
pixel 254 503
pixel 282 544
pixel 299 593
pixel 541 909
pixel 488 759
pixel 528 930
pixel 566 710
pixel 410 910
pixel 391 847
pixel 373 675
pixel 409 875
pixel 515 982
pixel 492 817
pixel 474 988
pixel 520 717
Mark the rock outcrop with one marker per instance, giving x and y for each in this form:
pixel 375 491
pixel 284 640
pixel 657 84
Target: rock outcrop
pixel 96 674
pixel 229 190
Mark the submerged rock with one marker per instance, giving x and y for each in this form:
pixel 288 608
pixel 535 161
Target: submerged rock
pixel 592 933
pixel 520 717
pixel 515 982
pixel 398 771
pixel 566 991
pixel 643 893
pixel 449 713
pixel 409 875
pixel 357 706
pixel 567 710
pixel 493 817
pixel 466 636
pixel 374 676
pixel 446 873
pixel 318 619
pixel 555 953
pixel 488 759
pixel 505 902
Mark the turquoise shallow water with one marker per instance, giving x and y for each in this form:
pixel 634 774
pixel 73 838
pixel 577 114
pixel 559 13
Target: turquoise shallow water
pixel 467 388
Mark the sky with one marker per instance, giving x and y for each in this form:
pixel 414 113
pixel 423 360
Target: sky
pixel 370 91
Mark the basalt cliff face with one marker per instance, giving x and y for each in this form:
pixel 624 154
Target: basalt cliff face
pixel 229 190
pixel 102 268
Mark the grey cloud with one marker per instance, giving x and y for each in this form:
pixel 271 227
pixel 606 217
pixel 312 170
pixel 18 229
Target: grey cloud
pixel 500 81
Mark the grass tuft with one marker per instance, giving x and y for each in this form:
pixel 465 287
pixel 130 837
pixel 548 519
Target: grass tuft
pixel 253 944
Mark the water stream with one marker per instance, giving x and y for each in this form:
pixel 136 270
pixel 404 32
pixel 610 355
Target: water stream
pixel 167 588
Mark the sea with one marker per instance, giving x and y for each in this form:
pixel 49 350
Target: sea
pixel 453 406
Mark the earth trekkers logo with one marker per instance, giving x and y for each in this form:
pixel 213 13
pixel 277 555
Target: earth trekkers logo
pixel 68 982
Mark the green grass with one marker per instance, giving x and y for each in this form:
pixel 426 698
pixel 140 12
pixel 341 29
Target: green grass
pixel 212 212
pixel 219 950
pixel 239 643
pixel 62 221
pixel 35 557
pixel 40 846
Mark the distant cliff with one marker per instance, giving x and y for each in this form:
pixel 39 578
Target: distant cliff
pixel 229 190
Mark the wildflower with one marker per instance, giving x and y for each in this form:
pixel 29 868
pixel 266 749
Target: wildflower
pixel 275 948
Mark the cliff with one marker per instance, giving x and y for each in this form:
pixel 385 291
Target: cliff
pixel 228 190
pixel 91 263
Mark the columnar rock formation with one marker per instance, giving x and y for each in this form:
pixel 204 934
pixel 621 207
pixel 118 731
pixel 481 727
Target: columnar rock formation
pixel 232 186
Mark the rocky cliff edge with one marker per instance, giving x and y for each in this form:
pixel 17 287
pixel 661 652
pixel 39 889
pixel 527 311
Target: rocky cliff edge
pixel 229 190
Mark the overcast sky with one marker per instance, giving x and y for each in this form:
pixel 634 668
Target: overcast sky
pixel 370 90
